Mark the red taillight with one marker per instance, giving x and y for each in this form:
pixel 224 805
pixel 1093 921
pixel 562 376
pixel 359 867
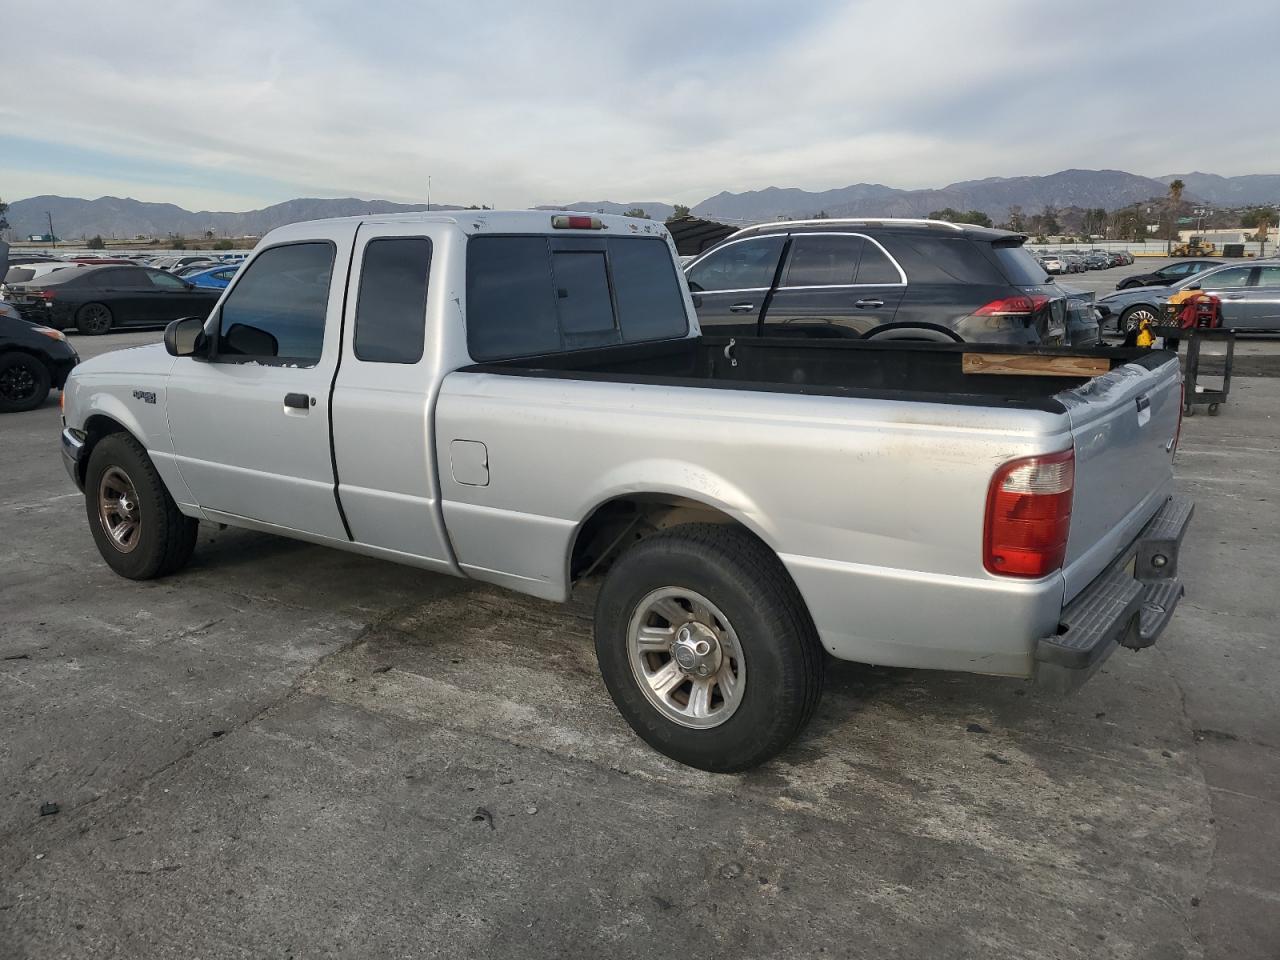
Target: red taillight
pixel 1021 305
pixel 1029 515
pixel 46 295
pixel 576 222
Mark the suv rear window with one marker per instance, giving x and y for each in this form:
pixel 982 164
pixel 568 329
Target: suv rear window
pixel 541 294
pixel 943 259
pixel 1018 265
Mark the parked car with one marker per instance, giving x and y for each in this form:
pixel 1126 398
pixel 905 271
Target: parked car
pixel 97 299
pixel 33 360
pixel 32 271
pixel 194 267
pixel 215 278
pixel 1054 263
pixel 1250 295
pixel 1169 275
pixel 179 262
pixel 744 505
pixel 22 259
pixel 1097 260
pixel 1084 320
pixel 879 279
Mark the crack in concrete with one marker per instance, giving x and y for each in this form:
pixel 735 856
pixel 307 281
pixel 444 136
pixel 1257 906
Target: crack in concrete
pixel 69 812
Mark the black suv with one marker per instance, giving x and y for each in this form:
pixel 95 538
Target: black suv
pixel 878 279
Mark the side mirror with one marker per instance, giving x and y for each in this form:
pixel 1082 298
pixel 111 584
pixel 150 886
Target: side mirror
pixel 1194 286
pixel 185 337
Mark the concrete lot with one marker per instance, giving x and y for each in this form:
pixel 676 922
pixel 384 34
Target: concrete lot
pixel 287 751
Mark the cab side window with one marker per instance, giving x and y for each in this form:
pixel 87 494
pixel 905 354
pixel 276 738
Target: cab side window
pixel 391 308
pixel 276 311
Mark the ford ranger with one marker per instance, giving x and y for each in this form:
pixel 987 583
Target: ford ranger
pixel 526 399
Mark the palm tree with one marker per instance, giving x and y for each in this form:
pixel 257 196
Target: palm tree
pixel 1175 201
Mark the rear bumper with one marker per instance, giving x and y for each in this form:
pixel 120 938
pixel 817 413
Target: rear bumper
pixel 1129 604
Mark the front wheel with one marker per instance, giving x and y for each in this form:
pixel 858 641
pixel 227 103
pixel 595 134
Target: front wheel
pixel 707 648
pixel 24 382
pixel 137 527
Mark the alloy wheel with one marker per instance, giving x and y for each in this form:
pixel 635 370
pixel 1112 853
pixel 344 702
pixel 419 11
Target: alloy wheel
pixel 118 510
pixel 17 384
pixel 96 319
pixel 686 657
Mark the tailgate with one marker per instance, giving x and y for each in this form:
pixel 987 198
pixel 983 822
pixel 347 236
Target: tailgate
pixel 1124 425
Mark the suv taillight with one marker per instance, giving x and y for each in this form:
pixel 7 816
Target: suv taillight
pixel 1022 305
pixel 1029 515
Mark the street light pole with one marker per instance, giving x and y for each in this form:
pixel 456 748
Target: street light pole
pixel 428 194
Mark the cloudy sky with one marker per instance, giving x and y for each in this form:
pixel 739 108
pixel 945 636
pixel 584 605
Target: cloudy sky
pixel 236 105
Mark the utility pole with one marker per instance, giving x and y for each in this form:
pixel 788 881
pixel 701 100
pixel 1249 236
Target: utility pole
pixel 428 194
pixel 52 236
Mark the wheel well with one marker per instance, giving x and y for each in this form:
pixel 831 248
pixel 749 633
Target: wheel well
pixel 95 428
pixel 914 330
pixel 44 361
pixel 619 523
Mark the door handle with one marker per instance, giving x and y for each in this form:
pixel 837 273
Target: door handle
pixel 1234 296
pixel 298 401
pixel 868 304
pixel 742 307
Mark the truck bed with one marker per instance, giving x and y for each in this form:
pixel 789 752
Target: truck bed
pixel 887 370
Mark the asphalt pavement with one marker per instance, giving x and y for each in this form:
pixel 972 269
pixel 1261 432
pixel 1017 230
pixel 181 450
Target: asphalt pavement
pixel 290 751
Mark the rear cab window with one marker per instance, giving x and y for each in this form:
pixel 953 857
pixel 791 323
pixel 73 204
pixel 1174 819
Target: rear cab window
pixel 531 295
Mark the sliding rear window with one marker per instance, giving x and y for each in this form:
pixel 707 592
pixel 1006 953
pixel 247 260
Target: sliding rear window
pixel 530 295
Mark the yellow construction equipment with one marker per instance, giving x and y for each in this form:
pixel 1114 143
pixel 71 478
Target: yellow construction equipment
pixel 1195 247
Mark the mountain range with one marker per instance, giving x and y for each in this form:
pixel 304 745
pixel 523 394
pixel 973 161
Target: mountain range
pixel 1111 189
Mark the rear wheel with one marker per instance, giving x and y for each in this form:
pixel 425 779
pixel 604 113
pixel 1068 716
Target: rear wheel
pixel 706 647
pixel 94 318
pixel 137 527
pixel 24 382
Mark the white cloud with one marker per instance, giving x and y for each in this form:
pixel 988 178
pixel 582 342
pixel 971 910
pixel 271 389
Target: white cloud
pixel 518 104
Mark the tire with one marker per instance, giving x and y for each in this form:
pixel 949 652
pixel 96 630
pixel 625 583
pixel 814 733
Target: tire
pixel 94 319
pixel 162 538
pixel 24 382
pixel 763 633
pixel 1130 319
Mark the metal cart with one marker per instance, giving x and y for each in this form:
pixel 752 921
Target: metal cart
pixel 1194 394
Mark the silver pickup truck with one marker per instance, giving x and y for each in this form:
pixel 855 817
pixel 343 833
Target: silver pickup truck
pixel 525 399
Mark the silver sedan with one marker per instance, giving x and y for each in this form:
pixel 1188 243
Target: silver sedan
pixel 1250 295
